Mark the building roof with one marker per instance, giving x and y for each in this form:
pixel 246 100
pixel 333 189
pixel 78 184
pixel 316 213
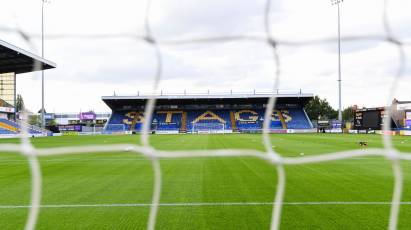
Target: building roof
pixel 208 96
pixel 16 60
pixel 116 102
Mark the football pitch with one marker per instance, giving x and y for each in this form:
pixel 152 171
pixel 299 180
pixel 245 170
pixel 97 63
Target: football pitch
pixel 114 190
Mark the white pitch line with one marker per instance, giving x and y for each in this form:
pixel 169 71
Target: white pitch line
pixel 204 204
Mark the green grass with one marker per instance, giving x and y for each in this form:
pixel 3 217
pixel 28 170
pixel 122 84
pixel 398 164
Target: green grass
pixel 127 178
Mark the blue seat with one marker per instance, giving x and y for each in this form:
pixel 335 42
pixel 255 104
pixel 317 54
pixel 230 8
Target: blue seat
pixel 298 120
pixel 293 118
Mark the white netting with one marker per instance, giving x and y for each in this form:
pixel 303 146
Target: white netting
pixel 208 128
pixel 269 155
pixel 113 128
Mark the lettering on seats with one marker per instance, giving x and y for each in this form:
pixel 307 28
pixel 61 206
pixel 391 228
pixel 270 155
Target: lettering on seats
pixel 252 116
pixel 275 116
pixel 169 115
pixel 208 115
pixel 286 115
pixel 133 116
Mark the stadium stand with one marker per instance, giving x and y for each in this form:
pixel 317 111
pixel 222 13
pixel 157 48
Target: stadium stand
pixel 167 120
pixel 192 115
pixel 241 120
pixel 248 120
pixel 119 118
pixel 11 127
pixel 6 131
pixel 296 119
pixel 277 120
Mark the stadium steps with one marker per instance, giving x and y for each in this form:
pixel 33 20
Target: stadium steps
pixel 183 128
pixel 299 119
pixel 9 127
pixel 37 129
pixel 283 123
pixel 14 127
pixel 232 119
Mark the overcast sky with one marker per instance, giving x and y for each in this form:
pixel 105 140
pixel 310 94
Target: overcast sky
pixel 89 68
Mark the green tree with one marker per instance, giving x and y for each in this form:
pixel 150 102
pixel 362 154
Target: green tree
pixel 34 120
pixel 19 103
pixel 348 114
pixel 52 122
pixel 318 107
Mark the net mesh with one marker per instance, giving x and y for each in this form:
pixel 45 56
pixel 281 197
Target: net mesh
pixel 27 149
pixel 115 128
pixel 208 127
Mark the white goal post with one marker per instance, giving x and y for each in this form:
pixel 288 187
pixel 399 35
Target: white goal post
pixel 208 128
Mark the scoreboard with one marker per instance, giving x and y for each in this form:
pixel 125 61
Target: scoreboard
pixel 371 118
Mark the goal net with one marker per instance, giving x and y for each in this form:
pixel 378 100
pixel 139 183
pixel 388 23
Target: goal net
pixel 115 128
pixel 271 41
pixel 208 128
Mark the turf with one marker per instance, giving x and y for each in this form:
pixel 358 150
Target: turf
pixel 127 178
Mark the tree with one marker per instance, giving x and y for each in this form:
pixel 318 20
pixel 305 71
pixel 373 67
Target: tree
pixel 19 103
pixel 318 107
pixel 34 120
pixel 348 113
pixel 52 122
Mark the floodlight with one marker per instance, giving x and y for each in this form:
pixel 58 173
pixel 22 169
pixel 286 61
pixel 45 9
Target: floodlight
pixel 336 2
